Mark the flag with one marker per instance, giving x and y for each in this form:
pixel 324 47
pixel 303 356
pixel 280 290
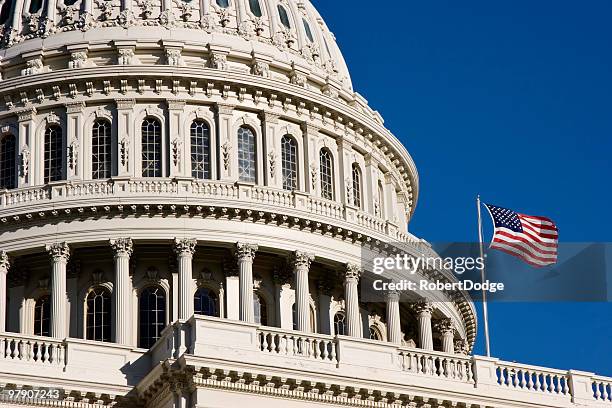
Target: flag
pixel 531 238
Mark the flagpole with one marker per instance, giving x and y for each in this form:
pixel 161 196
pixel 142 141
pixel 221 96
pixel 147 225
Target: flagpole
pixel 482 276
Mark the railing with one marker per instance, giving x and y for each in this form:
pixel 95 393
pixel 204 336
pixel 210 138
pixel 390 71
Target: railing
pixel 326 208
pixel 440 365
pixel 602 388
pixel 535 379
pixel 315 347
pixel 35 350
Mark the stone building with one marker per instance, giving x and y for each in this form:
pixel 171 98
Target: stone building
pixel 188 189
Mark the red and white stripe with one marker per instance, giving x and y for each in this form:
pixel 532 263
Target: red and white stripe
pixel 536 245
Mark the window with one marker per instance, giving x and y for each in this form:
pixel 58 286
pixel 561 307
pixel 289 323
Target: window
pixel 53 153
pixel 5 11
pixel 35 6
pixel 375 333
pixel 327 174
pixel 356 185
pixel 260 310
pixel 152 315
pixel 255 8
pixel 380 211
pixel 308 30
pixel 8 175
pixel 223 3
pixel 206 303
pixel 98 315
pixel 42 316
pixel 289 163
pixel 101 149
pixel 284 17
pixel 200 150
pixel 151 148
pixel 246 155
pixel 340 324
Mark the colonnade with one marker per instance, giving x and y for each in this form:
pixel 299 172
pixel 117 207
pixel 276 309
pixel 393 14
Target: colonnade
pixel 245 255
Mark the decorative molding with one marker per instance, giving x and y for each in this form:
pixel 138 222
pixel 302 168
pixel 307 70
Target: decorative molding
pixel 122 247
pixel 185 246
pixel 59 252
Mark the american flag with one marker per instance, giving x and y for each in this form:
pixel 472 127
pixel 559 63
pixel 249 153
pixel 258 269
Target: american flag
pixel 531 238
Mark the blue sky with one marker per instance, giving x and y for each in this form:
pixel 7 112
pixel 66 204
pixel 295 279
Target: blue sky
pixel 512 100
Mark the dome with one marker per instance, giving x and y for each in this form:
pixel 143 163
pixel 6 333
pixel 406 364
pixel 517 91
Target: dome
pixel 286 32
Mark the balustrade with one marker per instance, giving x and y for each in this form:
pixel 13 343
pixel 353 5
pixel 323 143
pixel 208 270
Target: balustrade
pixel 602 389
pixel 315 347
pixel 440 365
pixel 35 350
pixel 533 379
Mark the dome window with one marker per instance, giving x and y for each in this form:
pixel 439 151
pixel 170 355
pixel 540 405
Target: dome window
pixel 98 312
pixel 205 303
pixel 8 164
pixel 200 150
pixel 289 163
pixel 223 3
pixel 42 316
pixel 327 174
pixel 284 17
pixel 151 148
pixel 152 315
pixel 247 163
pixel 5 11
pixel 356 173
pixel 54 157
pixel 260 310
pixel 35 6
pixel 101 149
pixel 255 8
pixel 308 30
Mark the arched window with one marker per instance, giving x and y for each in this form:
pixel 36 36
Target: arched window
pixel 54 157
pixel 260 309
pixel 375 333
pixel 206 303
pixel 101 149
pixel 289 163
pixel 5 11
pixel 340 324
pixel 200 150
pixel 356 173
pixel 35 6
pixel 247 169
pixel 308 30
pixel 380 211
pixel 255 8
pixel 8 164
pixel 223 3
pixel 284 17
pixel 152 315
pixel 42 316
pixel 151 148
pixel 327 174
pixel 98 314
pixel 69 2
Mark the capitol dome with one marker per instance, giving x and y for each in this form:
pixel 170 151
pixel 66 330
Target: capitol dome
pixel 192 180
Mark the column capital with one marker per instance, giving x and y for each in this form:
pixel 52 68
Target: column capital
pixel 5 262
pixel 422 308
pixel 393 296
pixel 445 326
pixel 59 251
pixel 185 246
pixel 301 259
pixel 461 346
pixel 122 246
pixel 224 109
pixel 245 251
pixel 352 272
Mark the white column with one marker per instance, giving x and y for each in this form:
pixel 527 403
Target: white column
pixel 423 311
pixel 351 299
pixel 59 252
pixel 122 291
pixel 245 253
pixel 4 267
pixel 394 327
pixel 447 330
pixel 301 266
pixel 184 249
